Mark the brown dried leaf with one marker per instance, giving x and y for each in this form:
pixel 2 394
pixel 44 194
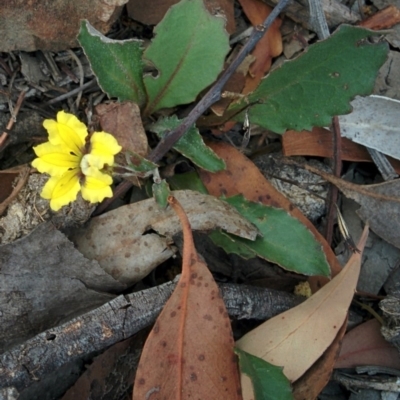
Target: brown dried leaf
pixel 296 338
pixel 123 121
pixel 189 352
pixel 268 47
pixel 365 345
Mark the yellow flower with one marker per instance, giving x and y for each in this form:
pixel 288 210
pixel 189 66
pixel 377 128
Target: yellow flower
pixel 74 163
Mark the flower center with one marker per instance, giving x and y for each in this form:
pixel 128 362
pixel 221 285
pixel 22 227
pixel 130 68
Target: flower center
pixel 91 164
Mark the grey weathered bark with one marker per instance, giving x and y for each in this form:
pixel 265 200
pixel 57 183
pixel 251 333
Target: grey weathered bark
pixel 45 281
pixel 115 321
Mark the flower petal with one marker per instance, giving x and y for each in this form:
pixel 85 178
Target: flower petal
pixel 54 160
pixel 61 190
pixel 67 131
pixel 96 188
pixel 105 146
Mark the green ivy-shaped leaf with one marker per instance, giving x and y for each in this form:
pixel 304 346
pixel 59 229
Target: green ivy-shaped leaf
pixel 188 51
pixel 191 144
pixel 117 64
pixel 317 85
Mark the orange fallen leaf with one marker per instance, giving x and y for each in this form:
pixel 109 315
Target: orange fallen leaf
pixel 296 338
pixel 241 176
pixel 365 345
pixel 318 142
pixel 189 352
pixel 269 46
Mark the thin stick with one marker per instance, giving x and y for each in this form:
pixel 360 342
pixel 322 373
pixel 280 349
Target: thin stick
pixel 71 93
pixel 13 118
pixel 22 179
pixel 337 169
pixel 81 75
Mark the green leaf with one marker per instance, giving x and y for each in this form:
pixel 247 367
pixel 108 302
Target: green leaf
pixel 161 192
pixel 191 144
pixel 188 51
pixel 286 241
pixel 230 245
pixel 117 64
pixel 319 84
pixel 269 382
pixel 188 180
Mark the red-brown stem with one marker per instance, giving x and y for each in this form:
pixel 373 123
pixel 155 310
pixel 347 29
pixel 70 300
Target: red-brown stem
pixel 337 169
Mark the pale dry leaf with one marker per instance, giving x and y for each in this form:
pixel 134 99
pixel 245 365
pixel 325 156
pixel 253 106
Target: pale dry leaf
pixel 123 241
pixel 374 123
pixel 296 338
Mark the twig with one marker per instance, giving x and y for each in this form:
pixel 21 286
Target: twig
pixel 81 75
pixel 22 178
pixel 71 93
pixel 337 169
pixel 12 120
pixel 385 168
pixel 318 21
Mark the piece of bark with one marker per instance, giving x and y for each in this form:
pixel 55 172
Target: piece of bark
pixel 390 307
pixel 115 321
pixel 44 281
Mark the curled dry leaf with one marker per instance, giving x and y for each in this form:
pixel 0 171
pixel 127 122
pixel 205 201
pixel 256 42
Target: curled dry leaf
pixel 122 244
pixel 296 338
pixel 380 204
pixel 189 352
